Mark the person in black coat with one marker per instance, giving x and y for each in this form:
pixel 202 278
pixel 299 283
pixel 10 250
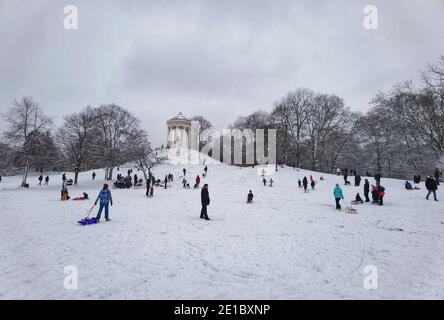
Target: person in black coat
pixel 346 177
pixel 250 197
pixel 205 201
pixel 378 179
pixel 366 190
pixel 305 183
pixel 431 187
pixel 357 180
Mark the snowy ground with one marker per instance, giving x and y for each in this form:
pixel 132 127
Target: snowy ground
pixel 287 245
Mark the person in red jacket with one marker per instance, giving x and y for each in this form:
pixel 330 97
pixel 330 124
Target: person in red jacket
pixel 197 181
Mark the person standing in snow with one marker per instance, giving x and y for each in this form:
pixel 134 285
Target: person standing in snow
pixel 205 201
pixel 271 182
pixel 184 172
pixel 166 181
pixel 431 187
pixel 357 180
pixel 337 193
pixel 64 178
pixel 46 180
pixel 184 183
pixel 250 197
pixel 378 179
pixel 264 181
pixel 40 180
pixel 299 183
pixel 346 177
pixel 93 175
pixel 197 181
pixel 305 183
pixel 105 200
pixel 313 183
pixel 206 170
pixel 366 190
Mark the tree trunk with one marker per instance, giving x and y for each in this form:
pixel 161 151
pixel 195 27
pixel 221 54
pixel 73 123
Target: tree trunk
pixel 76 176
pixel 110 174
pixel 25 173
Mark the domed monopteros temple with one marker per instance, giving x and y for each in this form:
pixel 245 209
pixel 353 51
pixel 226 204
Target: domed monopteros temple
pixel 179 132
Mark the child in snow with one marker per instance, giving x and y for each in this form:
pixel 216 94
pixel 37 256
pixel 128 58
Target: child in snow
pixel 378 193
pixel 313 183
pixel 64 192
pixel 184 183
pixel 408 185
pixel 83 197
pixel 105 199
pixel 358 199
pixel 299 183
pixel 271 182
pixel 337 193
pixel 264 181
pixel 250 197
pixel 197 181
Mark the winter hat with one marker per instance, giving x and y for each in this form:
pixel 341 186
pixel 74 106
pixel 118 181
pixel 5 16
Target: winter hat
pixel 105 186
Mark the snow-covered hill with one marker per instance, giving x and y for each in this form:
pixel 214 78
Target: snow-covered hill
pixel 286 245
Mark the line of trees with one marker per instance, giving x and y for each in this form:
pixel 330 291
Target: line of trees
pixel 103 137
pixel 402 133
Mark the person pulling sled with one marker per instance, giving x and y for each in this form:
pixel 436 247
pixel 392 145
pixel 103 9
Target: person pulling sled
pixel 106 199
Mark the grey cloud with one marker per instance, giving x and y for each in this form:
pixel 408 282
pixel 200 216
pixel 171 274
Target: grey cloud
pixel 221 59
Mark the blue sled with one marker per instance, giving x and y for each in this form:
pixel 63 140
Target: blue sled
pixel 87 221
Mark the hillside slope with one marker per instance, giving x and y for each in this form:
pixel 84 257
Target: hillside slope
pixel 286 245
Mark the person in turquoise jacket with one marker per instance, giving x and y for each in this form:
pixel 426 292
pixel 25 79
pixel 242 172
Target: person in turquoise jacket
pixel 337 192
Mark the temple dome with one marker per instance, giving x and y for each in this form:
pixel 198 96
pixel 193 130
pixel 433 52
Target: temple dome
pixel 180 116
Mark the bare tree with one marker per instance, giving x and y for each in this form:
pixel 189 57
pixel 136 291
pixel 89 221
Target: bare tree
pixel 77 139
pixel 293 110
pixel 116 128
pixel 324 117
pixel 144 156
pixel 26 121
pixel 340 139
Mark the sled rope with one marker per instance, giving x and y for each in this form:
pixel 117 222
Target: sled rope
pixel 89 211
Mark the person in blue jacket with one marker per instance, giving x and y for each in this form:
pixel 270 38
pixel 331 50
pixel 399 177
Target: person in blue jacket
pixel 337 192
pixel 105 199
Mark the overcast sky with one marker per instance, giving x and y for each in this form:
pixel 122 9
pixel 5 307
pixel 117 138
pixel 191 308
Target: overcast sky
pixel 220 59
